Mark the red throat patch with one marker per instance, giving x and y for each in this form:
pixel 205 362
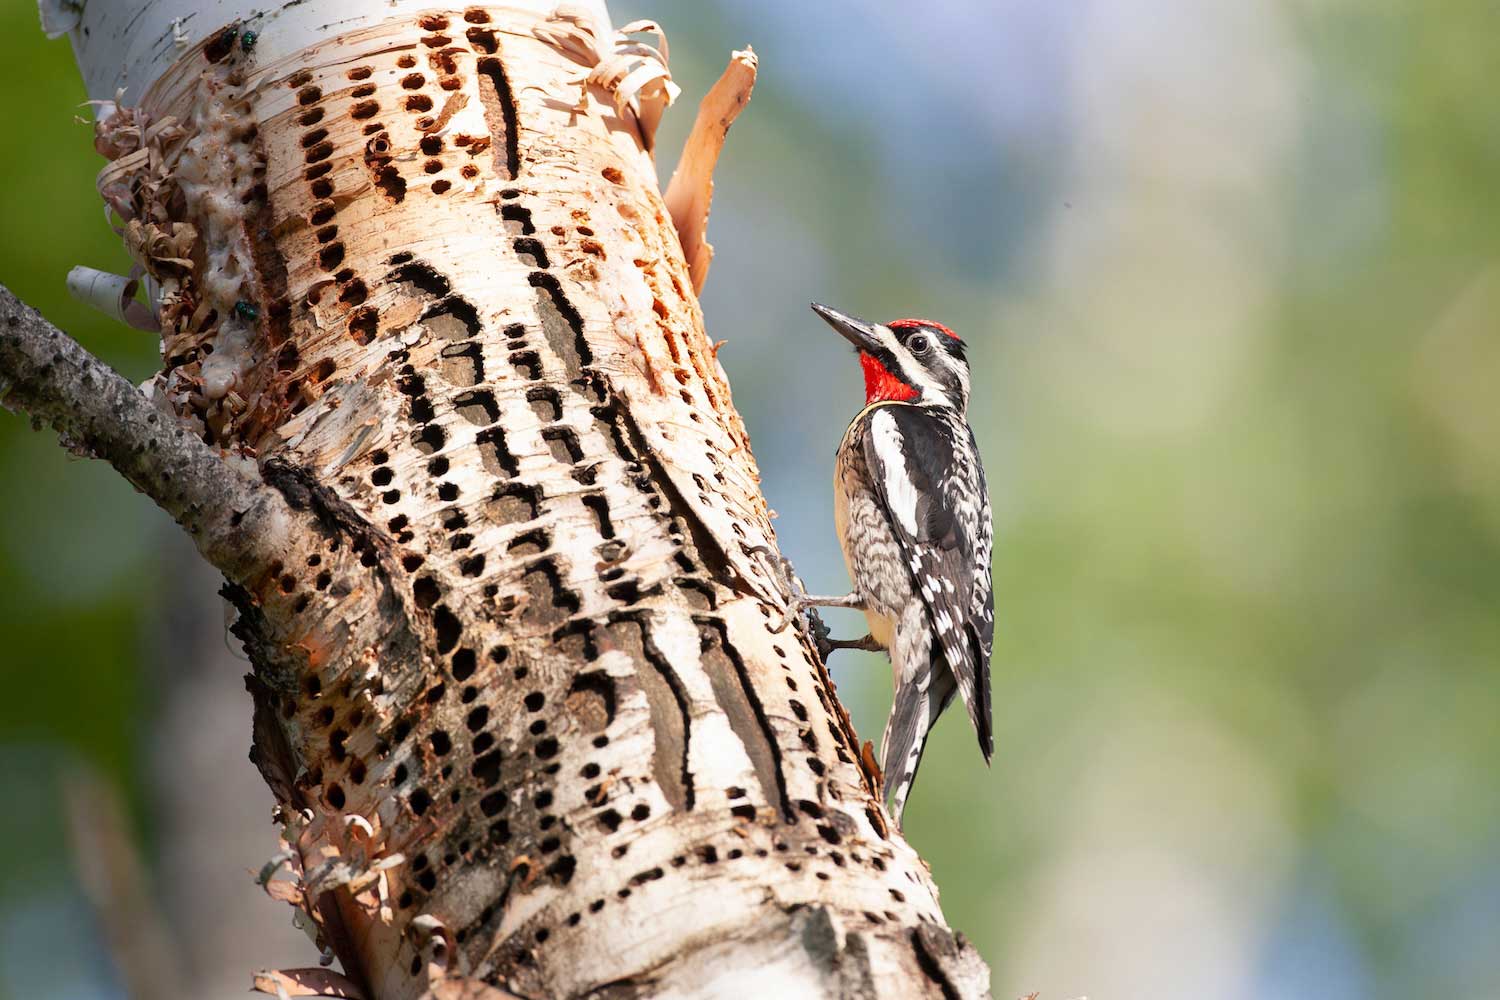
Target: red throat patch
pixel 881 385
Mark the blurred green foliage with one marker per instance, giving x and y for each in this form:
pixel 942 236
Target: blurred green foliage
pixel 1239 360
pixel 74 572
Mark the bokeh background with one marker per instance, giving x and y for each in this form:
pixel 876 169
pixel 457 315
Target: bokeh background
pixel 1230 274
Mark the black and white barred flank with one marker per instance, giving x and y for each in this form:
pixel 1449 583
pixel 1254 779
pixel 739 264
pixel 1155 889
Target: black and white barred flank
pixel 924 468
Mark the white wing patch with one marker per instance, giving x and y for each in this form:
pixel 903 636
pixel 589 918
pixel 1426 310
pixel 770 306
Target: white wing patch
pixel 900 492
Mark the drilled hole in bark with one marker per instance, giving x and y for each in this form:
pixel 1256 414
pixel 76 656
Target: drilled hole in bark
pixel 497 459
pixel 561 871
pixel 390 183
pixel 445 623
pixel 309 95
pixel 561 324
pixel 478 407
pixel 550 601
pixel 418 102
pixel 530 250
pixel 428 440
pixel 483 40
pixel 487 769
pixel 563 443
pixel 323 370
pixel 473 566
pixel 454 318
pixel 530 543
pixel 462 364
pixel 527 364
pixel 322 188
pixel 331 256
pixel 517 219
pixel 363 110
pixel 420 800
pixel 354 293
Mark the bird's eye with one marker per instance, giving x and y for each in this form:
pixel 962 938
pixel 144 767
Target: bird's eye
pixel 918 344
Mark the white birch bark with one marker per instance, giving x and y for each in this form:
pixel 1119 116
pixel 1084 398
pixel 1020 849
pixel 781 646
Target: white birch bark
pixel 516 687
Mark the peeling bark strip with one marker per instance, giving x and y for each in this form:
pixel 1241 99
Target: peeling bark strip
pixel 514 681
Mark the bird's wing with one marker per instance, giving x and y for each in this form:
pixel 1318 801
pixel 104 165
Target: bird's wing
pixel 936 499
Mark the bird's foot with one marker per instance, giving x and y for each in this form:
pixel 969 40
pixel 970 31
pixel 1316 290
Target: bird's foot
pixel 868 644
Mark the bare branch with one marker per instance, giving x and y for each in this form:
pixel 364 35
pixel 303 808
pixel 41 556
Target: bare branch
pixel 237 522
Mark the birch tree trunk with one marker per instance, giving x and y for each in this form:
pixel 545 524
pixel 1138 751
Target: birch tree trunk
pixel 486 510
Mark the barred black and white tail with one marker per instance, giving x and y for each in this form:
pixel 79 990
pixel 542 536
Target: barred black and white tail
pixel 913 714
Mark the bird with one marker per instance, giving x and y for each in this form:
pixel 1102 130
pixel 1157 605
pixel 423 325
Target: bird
pixel 912 512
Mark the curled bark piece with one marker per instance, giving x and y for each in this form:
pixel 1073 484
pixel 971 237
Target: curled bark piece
pixel 111 294
pixel 634 74
pixel 691 190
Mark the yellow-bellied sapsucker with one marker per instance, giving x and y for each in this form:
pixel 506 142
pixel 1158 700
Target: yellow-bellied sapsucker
pixel 913 518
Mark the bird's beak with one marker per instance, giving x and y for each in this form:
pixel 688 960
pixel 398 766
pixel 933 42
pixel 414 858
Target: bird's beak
pixel 856 331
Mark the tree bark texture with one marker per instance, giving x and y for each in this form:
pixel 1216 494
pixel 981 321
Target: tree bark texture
pixel 516 686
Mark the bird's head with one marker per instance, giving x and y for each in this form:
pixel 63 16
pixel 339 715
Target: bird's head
pixel 906 360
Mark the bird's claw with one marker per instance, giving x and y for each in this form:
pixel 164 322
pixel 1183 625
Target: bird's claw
pixel 793 594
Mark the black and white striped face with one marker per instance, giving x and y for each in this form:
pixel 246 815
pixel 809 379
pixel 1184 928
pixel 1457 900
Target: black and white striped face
pixel 907 360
